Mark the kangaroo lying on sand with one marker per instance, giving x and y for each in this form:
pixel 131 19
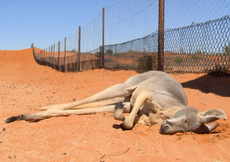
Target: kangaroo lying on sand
pixel 151 98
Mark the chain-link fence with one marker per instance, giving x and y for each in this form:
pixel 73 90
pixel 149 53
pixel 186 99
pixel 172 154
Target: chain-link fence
pixel 202 47
pixel 139 54
pixel 193 36
pixel 197 36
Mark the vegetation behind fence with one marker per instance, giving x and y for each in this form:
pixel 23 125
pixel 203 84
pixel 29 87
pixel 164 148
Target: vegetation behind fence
pixel 130 35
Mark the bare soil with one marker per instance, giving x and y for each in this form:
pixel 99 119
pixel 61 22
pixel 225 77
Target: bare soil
pixel 25 85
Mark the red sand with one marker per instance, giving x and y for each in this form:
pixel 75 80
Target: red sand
pixel 25 85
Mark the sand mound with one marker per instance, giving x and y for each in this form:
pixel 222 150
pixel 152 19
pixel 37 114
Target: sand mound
pixel 13 61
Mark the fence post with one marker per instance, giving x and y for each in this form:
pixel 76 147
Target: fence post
pixel 46 56
pixel 65 69
pixel 49 55
pixel 54 59
pixel 103 38
pixel 51 51
pixel 161 35
pixel 79 48
pixel 58 56
pixel 41 54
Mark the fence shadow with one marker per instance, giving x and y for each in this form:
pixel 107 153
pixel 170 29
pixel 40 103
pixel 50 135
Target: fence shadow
pixel 210 84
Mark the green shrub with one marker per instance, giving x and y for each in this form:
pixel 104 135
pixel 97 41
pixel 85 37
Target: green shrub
pixel 109 51
pixel 73 51
pixel 178 60
pixel 227 50
pixel 97 54
pixel 195 57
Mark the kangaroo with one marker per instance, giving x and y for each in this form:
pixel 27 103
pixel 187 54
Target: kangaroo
pixel 150 98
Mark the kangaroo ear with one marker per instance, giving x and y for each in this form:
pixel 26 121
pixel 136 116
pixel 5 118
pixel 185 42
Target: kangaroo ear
pixel 206 128
pixel 211 115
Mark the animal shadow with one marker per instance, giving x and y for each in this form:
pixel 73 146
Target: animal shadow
pixel 210 84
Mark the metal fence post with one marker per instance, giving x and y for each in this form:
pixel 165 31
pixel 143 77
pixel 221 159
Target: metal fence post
pixel 49 55
pixel 103 38
pixel 79 48
pixel 65 69
pixel 54 60
pixel 46 56
pixel 51 52
pixel 58 55
pixel 161 35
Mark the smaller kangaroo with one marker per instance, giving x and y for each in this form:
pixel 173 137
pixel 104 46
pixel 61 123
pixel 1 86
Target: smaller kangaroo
pixel 150 98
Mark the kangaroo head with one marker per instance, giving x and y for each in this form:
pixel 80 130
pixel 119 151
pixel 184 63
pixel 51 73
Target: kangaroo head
pixel 190 119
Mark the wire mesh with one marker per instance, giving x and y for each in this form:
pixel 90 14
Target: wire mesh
pixel 196 38
pixel 130 19
pixel 131 22
pixel 198 48
pixel 91 40
pixel 72 52
pixel 133 54
pixel 179 13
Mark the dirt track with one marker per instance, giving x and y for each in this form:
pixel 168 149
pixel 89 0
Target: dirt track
pixel 25 85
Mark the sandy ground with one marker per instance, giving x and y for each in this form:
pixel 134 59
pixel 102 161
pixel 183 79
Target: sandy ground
pixel 25 85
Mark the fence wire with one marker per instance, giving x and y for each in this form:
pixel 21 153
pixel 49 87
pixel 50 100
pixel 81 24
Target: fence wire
pixel 180 13
pixel 139 54
pixel 131 22
pixel 71 52
pixel 196 38
pixel 91 40
pixel 197 48
pixel 130 19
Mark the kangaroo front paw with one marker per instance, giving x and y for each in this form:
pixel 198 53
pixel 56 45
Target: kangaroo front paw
pixel 118 111
pixel 127 124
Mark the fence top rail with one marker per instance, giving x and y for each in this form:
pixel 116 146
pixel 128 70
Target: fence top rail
pixel 198 24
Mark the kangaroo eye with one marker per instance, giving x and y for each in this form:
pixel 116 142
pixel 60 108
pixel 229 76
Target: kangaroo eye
pixel 186 121
pixel 166 127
